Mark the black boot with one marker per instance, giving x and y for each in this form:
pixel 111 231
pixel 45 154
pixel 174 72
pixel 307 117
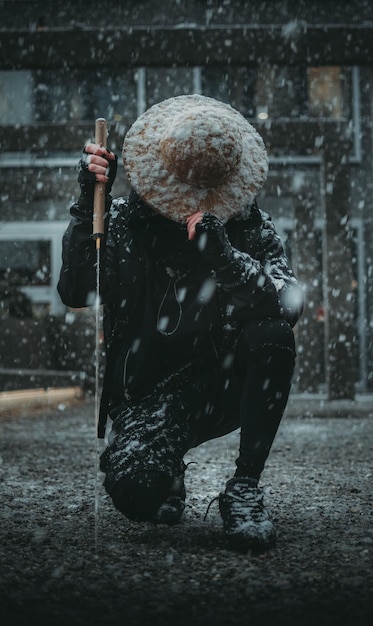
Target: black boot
pixel 245 521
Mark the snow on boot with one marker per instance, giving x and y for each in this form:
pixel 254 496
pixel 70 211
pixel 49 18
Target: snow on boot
pixel 245 521
pixel 172 509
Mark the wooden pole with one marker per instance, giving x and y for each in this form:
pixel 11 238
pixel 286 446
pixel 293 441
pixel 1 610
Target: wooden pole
pixel 99 194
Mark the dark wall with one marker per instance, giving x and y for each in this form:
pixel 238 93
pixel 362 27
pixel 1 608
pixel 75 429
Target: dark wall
pixel 51 352
pixel 81 13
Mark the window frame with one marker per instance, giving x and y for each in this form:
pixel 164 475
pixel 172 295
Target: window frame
pixel 40 231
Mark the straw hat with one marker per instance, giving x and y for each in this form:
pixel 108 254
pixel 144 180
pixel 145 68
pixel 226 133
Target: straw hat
pixel 193 153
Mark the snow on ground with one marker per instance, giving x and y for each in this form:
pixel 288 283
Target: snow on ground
pixel 60 565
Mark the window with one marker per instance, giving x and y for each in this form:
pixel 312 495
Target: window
pixel 267 92
pixel 63 95
pixel 30 261
pixel 282 92
pixel 232 85
pixel 25 262
pixel 164 82
pixel 329 92
pixel 16 97
pixel 84 95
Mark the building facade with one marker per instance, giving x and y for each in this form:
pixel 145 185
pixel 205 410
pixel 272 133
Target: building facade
pixel 301 72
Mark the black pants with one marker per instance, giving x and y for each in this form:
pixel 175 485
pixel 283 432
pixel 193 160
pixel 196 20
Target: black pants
pixel 250 391
pixel 264 360
pixel 247 389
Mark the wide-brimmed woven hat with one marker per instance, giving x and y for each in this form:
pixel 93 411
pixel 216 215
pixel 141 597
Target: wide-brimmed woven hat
pixel 193 153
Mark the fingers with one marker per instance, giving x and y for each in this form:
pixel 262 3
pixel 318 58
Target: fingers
pixel 95 148
pixel 99 170
pixel 97 161
pixel 191 222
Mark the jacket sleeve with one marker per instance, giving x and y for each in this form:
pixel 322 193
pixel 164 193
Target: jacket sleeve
pixel 77 281
pixel 259 282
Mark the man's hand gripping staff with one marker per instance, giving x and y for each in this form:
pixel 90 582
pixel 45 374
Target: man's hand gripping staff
pixel 97 171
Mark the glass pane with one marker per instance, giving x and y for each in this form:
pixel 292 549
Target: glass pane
pixel 163 83
pixel 25 263
pixel 112 95
pixel 329 92
pixel 232 85
pixel 84 95
pixel 16 97
pixel 280 92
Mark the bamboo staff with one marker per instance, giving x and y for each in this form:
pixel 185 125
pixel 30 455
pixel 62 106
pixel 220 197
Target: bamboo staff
pixel 99 194
pixel 98 233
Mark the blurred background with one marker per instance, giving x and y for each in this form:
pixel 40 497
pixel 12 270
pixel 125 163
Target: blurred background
pixel 300 72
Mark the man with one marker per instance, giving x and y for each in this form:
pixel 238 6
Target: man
pixel 199 304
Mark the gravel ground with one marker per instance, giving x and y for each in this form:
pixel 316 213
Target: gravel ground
pixel 68 557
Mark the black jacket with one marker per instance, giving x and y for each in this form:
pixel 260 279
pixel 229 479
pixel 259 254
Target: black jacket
pixel 162 305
